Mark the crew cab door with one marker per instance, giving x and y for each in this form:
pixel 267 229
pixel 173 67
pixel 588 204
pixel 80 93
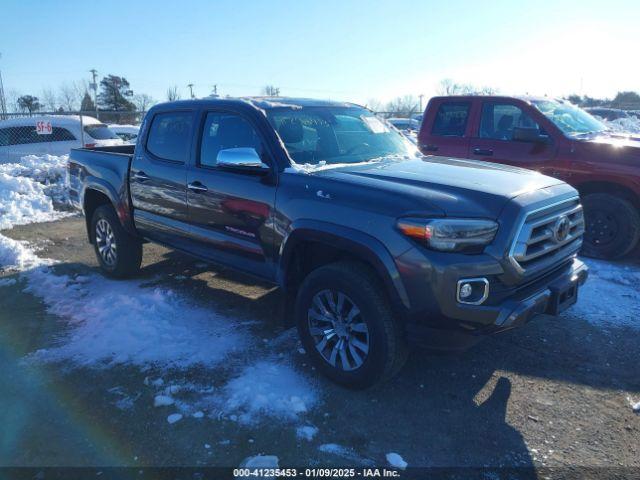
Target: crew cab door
pixel 493 138
pixel 230 210
pixel 157 179
pixel 445 130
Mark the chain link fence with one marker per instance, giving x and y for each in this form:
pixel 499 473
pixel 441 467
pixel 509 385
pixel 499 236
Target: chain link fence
pixel 56 133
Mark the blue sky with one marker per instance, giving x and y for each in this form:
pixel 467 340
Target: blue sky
pixel 351 50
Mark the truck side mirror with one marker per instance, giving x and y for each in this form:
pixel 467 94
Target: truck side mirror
pixel 530 135
pixel 241 159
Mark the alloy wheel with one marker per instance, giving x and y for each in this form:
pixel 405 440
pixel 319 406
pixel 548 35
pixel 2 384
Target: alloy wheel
pixel 106 242
pixel 338 330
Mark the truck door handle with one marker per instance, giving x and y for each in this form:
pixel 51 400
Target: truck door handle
pixel 140 176
pixel 430 147
pixel 482 151
pixel 197 187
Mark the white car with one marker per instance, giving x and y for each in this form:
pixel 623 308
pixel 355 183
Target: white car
pixel 128 133
pixel 51 134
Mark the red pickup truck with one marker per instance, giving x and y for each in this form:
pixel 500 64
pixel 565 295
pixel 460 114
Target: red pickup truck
pixel 556 139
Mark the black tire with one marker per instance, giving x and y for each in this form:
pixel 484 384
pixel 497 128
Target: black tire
pixel 612 226
pixel 128 249
pixel 387 348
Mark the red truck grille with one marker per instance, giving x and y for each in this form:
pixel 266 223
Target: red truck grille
pixel 548 235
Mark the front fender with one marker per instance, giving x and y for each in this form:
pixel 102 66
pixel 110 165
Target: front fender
pixel 362 245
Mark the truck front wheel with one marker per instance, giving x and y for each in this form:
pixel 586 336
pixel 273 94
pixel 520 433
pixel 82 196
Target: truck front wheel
pixel 347 325
pixel 612 226
pixel 119 253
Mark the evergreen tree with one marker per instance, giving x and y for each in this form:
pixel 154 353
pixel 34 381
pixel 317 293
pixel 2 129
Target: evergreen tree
pixel 114 94
pixel 87 104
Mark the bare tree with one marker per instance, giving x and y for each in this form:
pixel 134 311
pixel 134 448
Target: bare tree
pixel 449 87
pixel 271 91
pixel 12 97
pixel 143 101
pixel 173 94
pixel 374 104
pixel 70 97
pixel 402 106
pixel 49 99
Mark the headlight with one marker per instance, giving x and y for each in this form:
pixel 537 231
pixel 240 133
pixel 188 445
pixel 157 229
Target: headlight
pixel 450 234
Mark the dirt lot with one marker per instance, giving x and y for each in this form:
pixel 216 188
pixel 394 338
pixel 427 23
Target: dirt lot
pixel 557 392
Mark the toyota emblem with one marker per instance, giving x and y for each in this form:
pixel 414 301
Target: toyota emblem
pixel 561 229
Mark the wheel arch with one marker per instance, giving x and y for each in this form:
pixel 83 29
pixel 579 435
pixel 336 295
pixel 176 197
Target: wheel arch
pixel 311 244
pixel 611 188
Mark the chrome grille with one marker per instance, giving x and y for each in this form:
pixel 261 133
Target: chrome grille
pixel 548 235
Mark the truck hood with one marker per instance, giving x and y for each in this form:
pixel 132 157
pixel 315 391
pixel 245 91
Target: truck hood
pixel 614 148
pixel 457 187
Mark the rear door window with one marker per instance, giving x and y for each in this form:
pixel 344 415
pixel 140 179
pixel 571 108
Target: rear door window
pixel 170 136
pixel 60 134
pixel 451 119
pixel 99 131
pixel 499 119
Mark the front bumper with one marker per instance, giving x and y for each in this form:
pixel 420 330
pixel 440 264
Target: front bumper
pixel 463 325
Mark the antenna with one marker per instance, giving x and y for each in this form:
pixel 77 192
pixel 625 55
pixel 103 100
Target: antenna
pixel 191 89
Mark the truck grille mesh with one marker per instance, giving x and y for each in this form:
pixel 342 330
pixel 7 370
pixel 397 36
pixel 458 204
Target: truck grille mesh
pixel 548 235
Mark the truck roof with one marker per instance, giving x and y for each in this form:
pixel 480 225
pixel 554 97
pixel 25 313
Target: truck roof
pixel 263 103
pixel 525 98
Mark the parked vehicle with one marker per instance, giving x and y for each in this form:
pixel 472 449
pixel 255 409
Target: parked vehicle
pixel 128 133
pixel 404 124
pixel 376 246
pixel 554 138
pixel 51 134
pixel 607 113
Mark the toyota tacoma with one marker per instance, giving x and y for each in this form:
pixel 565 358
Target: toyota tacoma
pixel 375 246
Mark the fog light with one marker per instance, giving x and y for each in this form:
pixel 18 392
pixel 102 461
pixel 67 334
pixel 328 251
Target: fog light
pixel 472 291
pixel 466 290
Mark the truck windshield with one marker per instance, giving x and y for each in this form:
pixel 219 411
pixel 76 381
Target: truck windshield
pixel 571 120
pixel 336 135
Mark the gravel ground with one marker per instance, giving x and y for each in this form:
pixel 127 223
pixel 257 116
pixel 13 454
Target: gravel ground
pixel 557 392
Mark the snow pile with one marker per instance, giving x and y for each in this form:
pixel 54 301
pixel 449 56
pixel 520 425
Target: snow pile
pixel 29 189
pixel 268 389
pixel 260 461
pixel 624 125
pixel 619 285
pixel 111 322
pixel 16 255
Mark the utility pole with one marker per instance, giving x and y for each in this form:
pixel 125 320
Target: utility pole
pixel 191 89
pixel 94 86
pixel 421 96
pixel 214 91
pixel 3 101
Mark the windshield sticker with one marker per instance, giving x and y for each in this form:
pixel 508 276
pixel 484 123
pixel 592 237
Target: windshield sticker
pixel 374 124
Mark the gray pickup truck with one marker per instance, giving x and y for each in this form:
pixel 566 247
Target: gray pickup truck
pixel 376 246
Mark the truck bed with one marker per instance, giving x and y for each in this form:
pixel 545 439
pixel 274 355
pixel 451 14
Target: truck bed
pixel 105 169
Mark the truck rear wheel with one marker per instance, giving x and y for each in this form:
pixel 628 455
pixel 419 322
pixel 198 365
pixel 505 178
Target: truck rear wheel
pixel 612 226
pixel 347 326
pixel 118 252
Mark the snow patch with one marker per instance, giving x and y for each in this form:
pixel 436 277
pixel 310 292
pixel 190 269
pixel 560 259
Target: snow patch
pixel 7 282
pixel 306 432
pixel 396 461
pixel 15 255
pixel 260 461
pixel 174 417
pixel 162 401
pixel 618 284
pixel 111 322
pixel 268 389
pixel 624 125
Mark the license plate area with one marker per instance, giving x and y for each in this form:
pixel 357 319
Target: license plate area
pixel 562 297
